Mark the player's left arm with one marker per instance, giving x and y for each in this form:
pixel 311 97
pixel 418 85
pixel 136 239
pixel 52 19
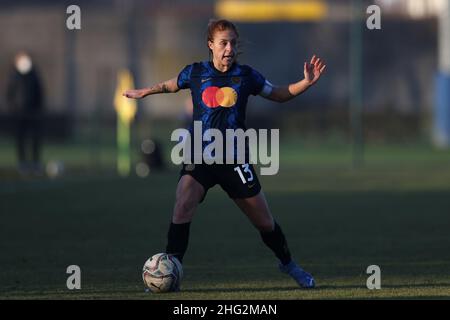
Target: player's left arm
pixel 312 72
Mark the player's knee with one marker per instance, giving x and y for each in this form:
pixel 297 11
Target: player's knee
pixel 184 208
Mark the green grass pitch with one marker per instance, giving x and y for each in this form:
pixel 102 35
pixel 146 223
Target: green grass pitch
pixel 394 213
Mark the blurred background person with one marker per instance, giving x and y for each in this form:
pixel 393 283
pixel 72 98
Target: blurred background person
pixel 25 99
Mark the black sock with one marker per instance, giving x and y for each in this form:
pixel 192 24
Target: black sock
pixel 276 241
pixel 177 239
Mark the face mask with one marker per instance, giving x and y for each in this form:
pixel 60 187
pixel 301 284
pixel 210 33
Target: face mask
pixel 23 64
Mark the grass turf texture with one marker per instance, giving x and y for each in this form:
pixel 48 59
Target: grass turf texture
pixel 394 212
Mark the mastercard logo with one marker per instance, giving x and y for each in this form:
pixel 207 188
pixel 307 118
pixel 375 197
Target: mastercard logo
pixel 215 97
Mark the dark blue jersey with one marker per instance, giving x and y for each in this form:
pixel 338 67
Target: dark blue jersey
pixel 220 98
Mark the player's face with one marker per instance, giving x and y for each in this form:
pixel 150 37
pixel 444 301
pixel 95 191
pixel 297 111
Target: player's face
pixel 223 47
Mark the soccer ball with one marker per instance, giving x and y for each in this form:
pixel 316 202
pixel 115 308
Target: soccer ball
pixel 162 273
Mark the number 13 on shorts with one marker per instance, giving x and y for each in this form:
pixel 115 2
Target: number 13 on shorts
pixel 247 171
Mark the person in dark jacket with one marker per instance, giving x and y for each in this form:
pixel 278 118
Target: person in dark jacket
pixel 25 98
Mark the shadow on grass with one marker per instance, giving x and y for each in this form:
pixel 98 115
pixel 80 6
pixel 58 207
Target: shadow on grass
pixel 318 288
pixel 134 293
pixel 394 286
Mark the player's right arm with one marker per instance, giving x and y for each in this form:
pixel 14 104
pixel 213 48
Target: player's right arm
pixel 169 86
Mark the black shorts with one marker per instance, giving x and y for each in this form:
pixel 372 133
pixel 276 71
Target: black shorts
pixel 239 181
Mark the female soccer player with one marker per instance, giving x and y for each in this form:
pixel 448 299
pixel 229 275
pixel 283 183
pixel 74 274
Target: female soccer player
pixel 226 110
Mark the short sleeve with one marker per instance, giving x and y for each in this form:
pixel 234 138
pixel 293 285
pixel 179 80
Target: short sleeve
pixel 257 81
pixel 184 78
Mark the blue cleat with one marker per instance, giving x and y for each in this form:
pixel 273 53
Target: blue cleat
pixel 303 278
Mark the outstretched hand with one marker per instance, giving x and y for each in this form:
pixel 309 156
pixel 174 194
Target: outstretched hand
pixel 313 70
pixel 134 93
